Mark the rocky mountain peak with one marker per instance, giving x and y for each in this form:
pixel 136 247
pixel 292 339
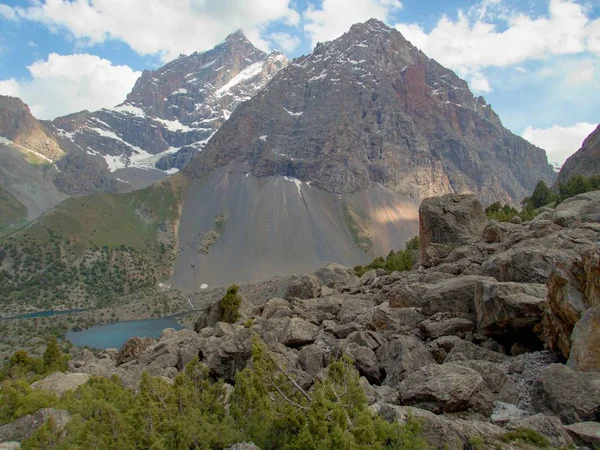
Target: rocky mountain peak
pixel 369 107
pixel 177 107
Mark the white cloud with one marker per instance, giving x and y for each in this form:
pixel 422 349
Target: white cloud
pixel 558 141
pixel 582 72
pixel 336 16
pixel 285 41
pixel 480 84
pixel 472 41
pixel 7 12
pixel 165 27
pixel 65 84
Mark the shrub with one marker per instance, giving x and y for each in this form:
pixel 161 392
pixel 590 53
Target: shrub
pixel 395 261
pixel 527 436
pixel 230 305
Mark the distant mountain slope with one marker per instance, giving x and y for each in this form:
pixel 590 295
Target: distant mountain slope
pixel 586 161
pixel 368 108
pixel 172 111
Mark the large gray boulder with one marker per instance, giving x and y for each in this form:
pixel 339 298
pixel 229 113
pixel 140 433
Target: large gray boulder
pixel 507 307
pixel 401 357
pixel 441 388
pixel 549 426
pixel 336 276
pixel 304 287
pixel 580 209
pixel 451 220
pixel 585 342
pixel 298 332
pixel 585 433
pixel 573 396
pixel 455 295
pixel 25 426
pixel 365 361
pixel 58 383
pixel 443 324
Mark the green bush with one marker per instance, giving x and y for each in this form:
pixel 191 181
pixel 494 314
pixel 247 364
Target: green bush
pixel 526 436
pixel 578 184
pixel 230 305
pixel 266 407
pixel 395 261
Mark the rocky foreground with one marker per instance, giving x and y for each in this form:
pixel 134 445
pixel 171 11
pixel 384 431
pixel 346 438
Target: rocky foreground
pixel 496 330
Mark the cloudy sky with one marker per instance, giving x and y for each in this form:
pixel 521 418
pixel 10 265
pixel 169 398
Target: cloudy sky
pixel 536 61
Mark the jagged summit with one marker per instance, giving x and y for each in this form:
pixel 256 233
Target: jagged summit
pixel 177 107
pixel 237 35
pixel 369 107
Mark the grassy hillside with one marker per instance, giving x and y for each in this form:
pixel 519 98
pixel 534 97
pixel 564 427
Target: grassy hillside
pixel 91 251
pixel 12 212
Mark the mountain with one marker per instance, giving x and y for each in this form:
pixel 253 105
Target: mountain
pixel 168 116
pixel 328 162
pixel 370 108
pixel 173 111
pixel 585 161
pixel 27 170
pixel 331 159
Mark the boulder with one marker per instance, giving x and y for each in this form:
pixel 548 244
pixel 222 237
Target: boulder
pixel 585 342
pixel 134 348
pixel 440 432
pixel 452 220
pixel 297 333
pixel 368 339
pixel 453 348
pixel 385 318
pixel 549 426
pixel 585 433
pixel 573 396
pixel 572 289
pixel 336 276
pixel 455 295
pixel 311 359
pixel 342 331
pixel 441 388
pixel 243 446
pixel 25 426
pixel 505 412
pixel 442 324
pixel 11 445
pixel 498 386
pixel 303 287
pixel 507 307
pixel 580 209
pixel 365 361
pixel 401 357
pixel 274 308
pixel 58 383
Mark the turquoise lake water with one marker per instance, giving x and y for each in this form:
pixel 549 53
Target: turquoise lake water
pixel 114 335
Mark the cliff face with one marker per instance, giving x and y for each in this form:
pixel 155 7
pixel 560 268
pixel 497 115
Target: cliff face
pixel 369 107
pixel 586 161
pixel 21 128
pixel 176 107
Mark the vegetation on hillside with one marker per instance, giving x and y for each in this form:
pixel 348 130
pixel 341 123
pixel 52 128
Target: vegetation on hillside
pixel 90 251
pixel 12 212
pixel 395 261
pixel 266 406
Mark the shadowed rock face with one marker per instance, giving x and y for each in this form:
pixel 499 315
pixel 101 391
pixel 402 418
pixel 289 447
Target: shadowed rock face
pixel 178 106
pixel 586 161
pixel 367 108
